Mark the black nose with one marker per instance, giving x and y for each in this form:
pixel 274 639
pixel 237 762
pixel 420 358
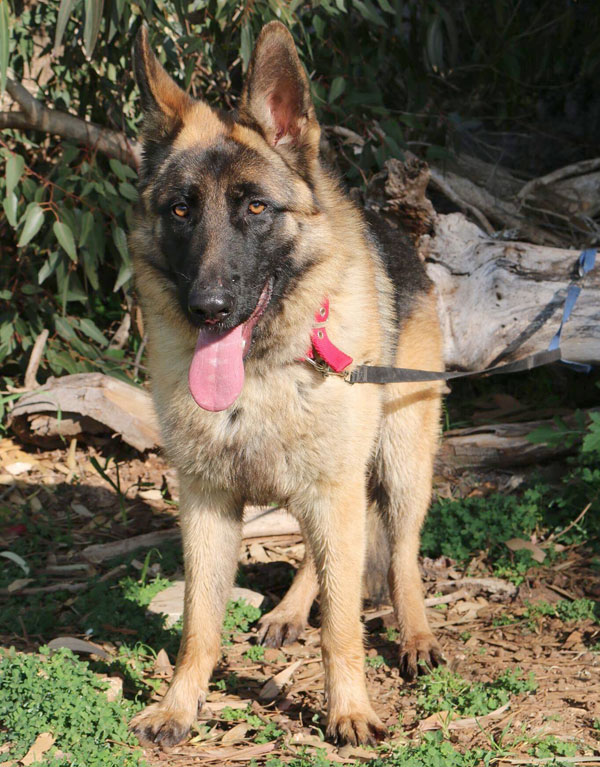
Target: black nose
pixel 211 305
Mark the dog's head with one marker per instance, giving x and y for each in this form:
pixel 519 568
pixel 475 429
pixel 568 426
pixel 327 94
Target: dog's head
pixel 226 196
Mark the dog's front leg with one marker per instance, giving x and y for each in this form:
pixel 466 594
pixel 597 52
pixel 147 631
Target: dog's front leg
pixel 335 527
pixel 211 530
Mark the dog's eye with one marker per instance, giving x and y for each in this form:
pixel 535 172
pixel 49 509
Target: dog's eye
pixel 256 207
pixel 181 210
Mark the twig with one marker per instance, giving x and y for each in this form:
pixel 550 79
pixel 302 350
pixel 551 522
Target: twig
pixel 549 760
pixel 562 592
pixel 121 334
pixel 491 585
pixel 138 357
pixel 34 360
pixel 447 598
pixel 555 536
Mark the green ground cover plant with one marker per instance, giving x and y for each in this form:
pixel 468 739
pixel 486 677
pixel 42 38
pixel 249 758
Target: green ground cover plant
pixel 58 693
pixel 444 690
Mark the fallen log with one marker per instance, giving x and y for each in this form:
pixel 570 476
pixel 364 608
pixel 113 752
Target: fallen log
pixel 110 406
pixel 85 404
pixel 497 299
pixel 496 446
pixel 501 301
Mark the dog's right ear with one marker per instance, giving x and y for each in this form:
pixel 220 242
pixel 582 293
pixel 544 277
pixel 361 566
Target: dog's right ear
pixel 163 101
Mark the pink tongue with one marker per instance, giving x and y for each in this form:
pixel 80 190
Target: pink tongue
pixel 216 375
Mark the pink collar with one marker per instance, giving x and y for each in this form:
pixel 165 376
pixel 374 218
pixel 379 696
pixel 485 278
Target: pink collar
pixel 321 346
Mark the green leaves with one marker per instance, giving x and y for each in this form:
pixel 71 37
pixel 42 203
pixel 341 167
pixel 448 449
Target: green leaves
pixel 14 170
pixel 64 12
pixel 64 235
pixel 4 43
pixel 34 218
pixel 93 10
pixel 10 208
pixel 338 86
pixel 93 19
pixel 591 441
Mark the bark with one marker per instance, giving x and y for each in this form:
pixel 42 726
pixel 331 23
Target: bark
pixel 502 300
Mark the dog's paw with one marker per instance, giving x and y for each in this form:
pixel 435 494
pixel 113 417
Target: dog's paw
pixel 160 725
pixel 277 631
pixel 418 655
pixel 360 728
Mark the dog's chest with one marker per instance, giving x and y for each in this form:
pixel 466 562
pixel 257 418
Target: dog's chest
pixel 273 443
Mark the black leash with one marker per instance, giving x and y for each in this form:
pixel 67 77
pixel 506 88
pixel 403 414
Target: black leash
pixel 387 375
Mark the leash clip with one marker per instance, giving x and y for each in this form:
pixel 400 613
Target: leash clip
pixel 323 368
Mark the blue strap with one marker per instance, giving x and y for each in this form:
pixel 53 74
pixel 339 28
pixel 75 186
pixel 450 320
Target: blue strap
pixel 585 263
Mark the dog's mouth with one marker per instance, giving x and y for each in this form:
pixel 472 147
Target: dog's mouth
pixel 216 375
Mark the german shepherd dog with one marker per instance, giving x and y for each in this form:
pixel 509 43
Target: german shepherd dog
pixel 245 249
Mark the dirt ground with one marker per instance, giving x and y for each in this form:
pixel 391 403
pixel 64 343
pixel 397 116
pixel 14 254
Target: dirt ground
pixel 64 486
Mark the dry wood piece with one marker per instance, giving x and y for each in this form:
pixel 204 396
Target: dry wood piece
pixel 259 522
pixel 504 300
pixel 274 685
pixel 86 403
pixel 573 189
pixel 492 190
pixel 495 586
pixel 103 551
pixel 442 720
pixel 398 193
pixel 35 359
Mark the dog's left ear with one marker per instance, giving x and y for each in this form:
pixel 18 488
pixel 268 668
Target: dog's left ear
pixel 276 96
pixel 164 103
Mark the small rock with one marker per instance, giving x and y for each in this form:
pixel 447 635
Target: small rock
pixel 19 467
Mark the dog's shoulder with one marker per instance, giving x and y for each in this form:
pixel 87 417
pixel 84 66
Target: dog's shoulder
pixel 403 267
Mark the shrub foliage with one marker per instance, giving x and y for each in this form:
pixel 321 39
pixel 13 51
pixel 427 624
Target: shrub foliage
pixel 390 73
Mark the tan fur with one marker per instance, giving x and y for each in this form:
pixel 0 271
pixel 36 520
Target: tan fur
pixel 303 441
pixel 201 126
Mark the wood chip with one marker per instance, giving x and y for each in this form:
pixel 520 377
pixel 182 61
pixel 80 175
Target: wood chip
pixel 236 734
pixel 162 664
pixel 19 467
pixel 273 686
pixel 495 586
pixel 520 544
pixel 115 687
pixel 258 553
pixel 150 495
pixel 43 743
pixel 442 720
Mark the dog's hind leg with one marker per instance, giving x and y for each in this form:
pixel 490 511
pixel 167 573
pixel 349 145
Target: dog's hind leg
pixel 284 624
pixel 403 482
pixel 211 530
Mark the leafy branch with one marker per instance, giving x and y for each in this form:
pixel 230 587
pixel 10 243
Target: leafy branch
pixel 36 116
